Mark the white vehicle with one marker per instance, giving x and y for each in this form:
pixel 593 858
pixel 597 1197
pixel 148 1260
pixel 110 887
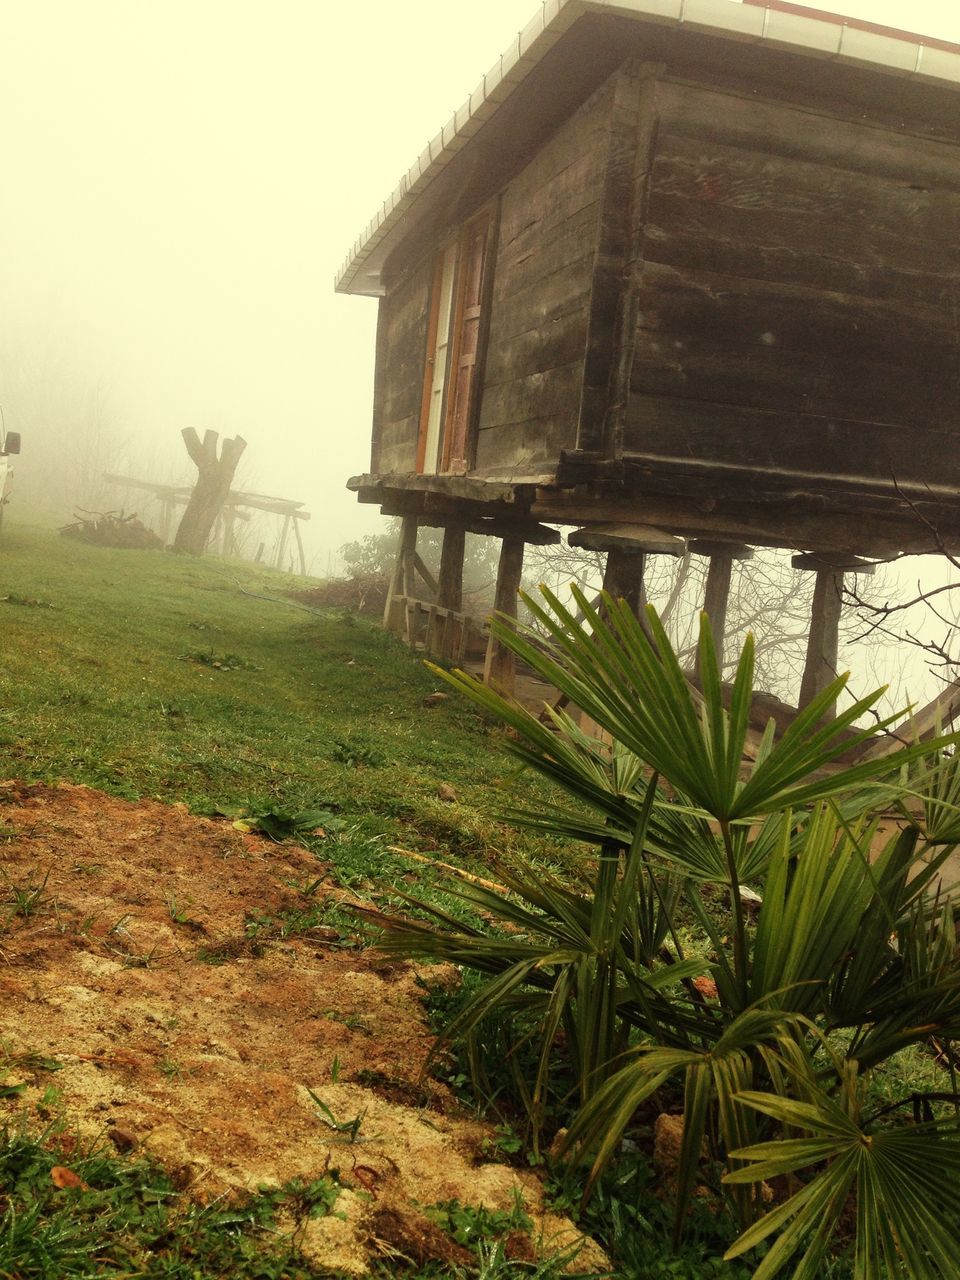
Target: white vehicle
pixel 9 447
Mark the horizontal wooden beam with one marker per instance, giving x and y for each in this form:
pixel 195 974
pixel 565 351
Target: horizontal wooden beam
pixel 784 526
pixel 466 487
pixel 180 494
pixel 638 538
pixel 832 562
pixel 713 547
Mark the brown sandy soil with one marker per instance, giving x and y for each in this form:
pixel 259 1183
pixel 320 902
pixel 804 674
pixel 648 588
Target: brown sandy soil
pixel 209 1066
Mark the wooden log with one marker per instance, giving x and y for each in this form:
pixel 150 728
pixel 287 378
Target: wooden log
pixel 937 716
pixel 499 666
pixel 406 549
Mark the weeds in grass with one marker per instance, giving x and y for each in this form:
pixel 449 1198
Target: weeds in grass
pixel 219 661
pixel 138 959
pixel 19 1065
pixel 179 916
pixel 352 1021
pixel 470 1224
pixel 357 752
pixel 132 1221
pixel 27 899
pixel 31 602
pixel 348 1129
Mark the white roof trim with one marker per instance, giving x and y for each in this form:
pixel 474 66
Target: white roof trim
pixel 772 28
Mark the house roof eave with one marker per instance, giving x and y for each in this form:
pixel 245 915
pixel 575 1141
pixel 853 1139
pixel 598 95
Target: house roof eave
pixel 776 27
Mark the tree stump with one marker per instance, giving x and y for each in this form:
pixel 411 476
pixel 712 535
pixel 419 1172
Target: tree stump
pixel 214 478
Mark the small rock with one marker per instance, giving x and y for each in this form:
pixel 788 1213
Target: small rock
pixel 434 699
pixel 667 1141
pixel 556 1144
pixel 446 792
pixel 122 1140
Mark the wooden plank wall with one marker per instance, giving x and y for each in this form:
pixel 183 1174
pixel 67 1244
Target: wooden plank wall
pixel 401 351
pixel 800 295
pixel 547 246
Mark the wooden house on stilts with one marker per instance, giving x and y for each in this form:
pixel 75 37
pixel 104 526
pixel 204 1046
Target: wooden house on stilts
pixel 679 272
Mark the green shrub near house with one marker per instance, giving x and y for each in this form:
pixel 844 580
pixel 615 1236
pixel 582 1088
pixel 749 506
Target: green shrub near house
pixel 649 983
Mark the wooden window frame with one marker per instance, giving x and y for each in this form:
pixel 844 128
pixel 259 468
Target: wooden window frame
pixel 487 218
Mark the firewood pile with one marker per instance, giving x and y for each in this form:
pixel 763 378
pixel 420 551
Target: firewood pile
pixel 112 529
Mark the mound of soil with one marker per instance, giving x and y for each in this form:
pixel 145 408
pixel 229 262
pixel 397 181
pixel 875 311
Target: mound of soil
pixel 365 593
pixel 189 1031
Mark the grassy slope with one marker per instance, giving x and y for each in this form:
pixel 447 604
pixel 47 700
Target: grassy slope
pixel 100 688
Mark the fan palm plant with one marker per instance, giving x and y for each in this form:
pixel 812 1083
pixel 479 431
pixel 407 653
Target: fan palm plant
pixel 850 947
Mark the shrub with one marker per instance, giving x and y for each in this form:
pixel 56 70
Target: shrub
pixel 772 1029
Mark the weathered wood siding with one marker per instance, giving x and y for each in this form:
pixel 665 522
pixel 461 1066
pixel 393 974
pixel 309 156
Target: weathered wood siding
pixel 543 273
pixel 398 386
pixel 799 306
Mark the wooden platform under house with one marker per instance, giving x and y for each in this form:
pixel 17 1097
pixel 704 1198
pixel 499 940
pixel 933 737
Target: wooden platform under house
pixel 684 274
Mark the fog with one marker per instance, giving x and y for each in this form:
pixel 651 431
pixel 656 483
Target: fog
pixel 180 182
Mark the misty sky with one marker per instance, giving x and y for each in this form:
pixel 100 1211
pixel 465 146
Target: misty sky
pixel 180 181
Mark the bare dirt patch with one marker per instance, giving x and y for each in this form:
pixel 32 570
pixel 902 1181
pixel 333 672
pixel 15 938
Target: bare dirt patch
pixel 127 954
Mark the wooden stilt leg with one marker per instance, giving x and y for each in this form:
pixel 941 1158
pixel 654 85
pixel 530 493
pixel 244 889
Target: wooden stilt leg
pixel 717 593
pixel 282 544
pixel 402 572
pixel 716 596
pixel 823 643
pixel 449 590
pixel 623 577
pixel 300 551
pixel 499 667
pixel 229 531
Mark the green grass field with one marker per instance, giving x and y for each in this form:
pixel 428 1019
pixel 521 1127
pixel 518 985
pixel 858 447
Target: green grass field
pixel 198 681
pixel 202 683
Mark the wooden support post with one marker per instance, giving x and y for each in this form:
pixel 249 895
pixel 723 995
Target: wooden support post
pixel 499 667
pixel 449 591
pixel 428 578
pixel 623 577
pixel 229 530
pixel 402 575
pixel 300 551
pixel 282 542
pixel 627 547
pixel 823 643
pixel 717 593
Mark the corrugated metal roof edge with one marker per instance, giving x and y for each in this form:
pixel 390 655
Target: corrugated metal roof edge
pixel 895 54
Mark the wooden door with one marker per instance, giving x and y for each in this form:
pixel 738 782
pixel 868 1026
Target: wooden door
pixel 457 446
pixel 434 403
